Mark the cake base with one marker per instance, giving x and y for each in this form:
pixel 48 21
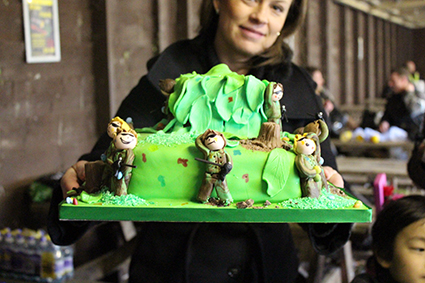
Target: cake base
pixel 186 211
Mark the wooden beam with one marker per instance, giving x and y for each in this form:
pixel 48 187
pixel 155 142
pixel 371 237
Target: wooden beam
pixel 393 13
pixel 405 4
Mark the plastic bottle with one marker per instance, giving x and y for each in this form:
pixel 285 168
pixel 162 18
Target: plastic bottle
pixel 8 242
pixel 68 258
pixel 51 261
pixel 18 256
pixel 1 254
pixel 32 260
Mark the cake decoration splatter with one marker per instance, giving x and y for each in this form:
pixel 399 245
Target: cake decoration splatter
pixel 182 161
pixel 161 180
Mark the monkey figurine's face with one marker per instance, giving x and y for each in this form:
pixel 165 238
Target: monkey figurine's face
pixel 305 146
pixel 214 142
pixel 112 128
pixel 277 93
pixel 125 140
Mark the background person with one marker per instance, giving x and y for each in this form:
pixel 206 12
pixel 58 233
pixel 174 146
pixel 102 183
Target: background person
pixel 405 106
pixel 337 120
pixel 398 243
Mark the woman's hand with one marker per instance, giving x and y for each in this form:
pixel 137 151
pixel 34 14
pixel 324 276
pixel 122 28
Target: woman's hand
pixel 73 177
pixel 333 176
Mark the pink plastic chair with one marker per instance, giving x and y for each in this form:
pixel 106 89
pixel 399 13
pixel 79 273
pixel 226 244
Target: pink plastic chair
pixel 378 191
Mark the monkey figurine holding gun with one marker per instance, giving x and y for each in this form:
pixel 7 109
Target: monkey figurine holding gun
pixel 121 160
pixel 218 164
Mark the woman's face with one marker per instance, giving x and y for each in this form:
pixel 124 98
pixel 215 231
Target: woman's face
pixel 408 263
pixel 249 27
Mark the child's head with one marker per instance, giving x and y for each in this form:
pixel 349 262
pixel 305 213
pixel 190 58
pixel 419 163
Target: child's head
pixel 399 238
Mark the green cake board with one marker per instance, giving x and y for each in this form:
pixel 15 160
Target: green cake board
pixel 186 211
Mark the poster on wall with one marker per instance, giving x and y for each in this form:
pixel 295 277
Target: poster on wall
pixel 41 23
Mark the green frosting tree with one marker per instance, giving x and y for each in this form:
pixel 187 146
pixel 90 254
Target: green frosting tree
pixel 221 100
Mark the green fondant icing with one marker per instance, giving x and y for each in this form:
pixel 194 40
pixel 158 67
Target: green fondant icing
pixel 90 198
pixel 192 92
pixel 275 171
pixel 181 182
pixel 254 85
pixel 227 101
pixel 225 104
pixel 153 148
pixel 213 86
pixel 201 114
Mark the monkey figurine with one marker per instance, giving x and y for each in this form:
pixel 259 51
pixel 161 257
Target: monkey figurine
pixel 272 96
pixel 218 164
pixel 308 163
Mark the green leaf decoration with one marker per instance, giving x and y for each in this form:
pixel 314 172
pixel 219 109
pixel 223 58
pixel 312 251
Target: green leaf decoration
pixel 90 198
pixel 200 115
pixel 254 92
pixel 242 115
pixel 219 70
pixel 233 102
pixel 179 90
pixel 234 82
pixel 225 104
pixel 213 85
pixel 274 173
pixel 192 92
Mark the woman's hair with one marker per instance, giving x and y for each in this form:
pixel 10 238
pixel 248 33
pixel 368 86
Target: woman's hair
pixel 395 216
pixel 279 52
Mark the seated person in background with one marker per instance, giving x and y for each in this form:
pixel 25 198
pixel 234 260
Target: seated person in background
pixel 338 121
pixel 398 243
pixel 414 74
pixel 405 105
pixel 416 164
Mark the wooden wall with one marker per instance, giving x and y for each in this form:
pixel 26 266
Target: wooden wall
pixel 48 110
pixel 54 112
pixel 356 51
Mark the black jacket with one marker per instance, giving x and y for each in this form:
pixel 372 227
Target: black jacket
pixel 212 252
pixel 398 114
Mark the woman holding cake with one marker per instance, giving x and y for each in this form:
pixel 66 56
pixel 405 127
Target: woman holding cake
pixel 248 36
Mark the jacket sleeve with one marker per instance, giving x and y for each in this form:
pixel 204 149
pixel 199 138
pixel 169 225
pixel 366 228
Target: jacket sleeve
pixel 327 238
pixel 414 103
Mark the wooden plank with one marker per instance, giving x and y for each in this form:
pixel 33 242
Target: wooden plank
pixel 349 71
pixel 333 51
pixel 314 33
pixel 371 166
pixel 370 49
pixel 361 89
pixel 407 145
pixel 379 49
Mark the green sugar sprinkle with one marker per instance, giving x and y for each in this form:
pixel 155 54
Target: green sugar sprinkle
pixel 161 138
pixel 126 200
pixel 325 201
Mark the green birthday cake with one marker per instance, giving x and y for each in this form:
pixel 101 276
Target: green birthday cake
pixel 220 147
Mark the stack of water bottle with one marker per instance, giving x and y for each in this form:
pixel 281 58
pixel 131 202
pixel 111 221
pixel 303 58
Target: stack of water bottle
pixel 31 256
